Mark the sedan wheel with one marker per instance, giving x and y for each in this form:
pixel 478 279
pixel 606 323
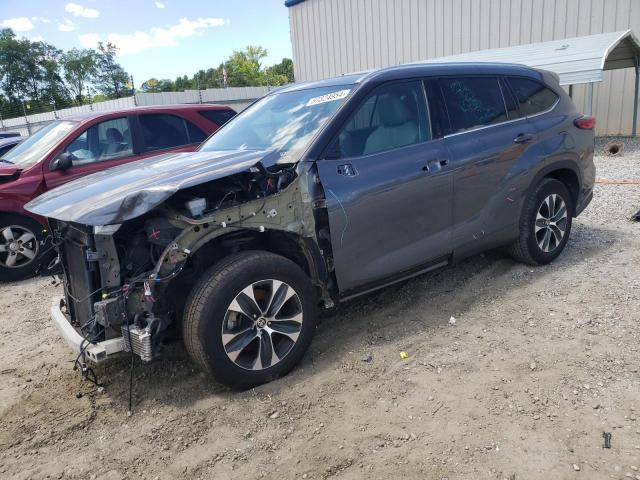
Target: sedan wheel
pixel 18 246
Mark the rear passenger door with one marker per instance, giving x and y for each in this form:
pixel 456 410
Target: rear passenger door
pixel 488 137
pixel 388 189
pixel 163 132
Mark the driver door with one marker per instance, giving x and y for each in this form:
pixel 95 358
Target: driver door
pixel 389 191
pixel 102 145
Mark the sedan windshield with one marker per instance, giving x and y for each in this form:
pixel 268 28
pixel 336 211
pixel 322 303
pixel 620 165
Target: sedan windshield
pixel 283 122
pixel 34 148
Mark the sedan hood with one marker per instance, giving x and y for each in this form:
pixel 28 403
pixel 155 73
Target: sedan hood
pixel 130 190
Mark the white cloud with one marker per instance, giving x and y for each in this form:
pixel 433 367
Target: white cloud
pixel 66 26
pixel 40 19
pixel 18 24
pixel 161 4
pixel 89 40
pixel 155 37
pixel 80 11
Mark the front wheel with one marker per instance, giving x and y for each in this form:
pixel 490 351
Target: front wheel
pixel 250 318
pixel 545 224
pixel 21 252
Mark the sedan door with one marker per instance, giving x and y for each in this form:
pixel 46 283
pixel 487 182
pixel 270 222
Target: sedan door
pixel 102 145
pixel 388 190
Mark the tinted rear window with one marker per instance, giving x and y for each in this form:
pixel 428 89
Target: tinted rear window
pixel 533 97
pixel 162 130
pixel 219 117
pixel 473 102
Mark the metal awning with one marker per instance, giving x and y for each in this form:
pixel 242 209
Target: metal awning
pixel 575 60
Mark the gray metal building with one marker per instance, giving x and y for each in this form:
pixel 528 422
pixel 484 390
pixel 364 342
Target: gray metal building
pixel 332 37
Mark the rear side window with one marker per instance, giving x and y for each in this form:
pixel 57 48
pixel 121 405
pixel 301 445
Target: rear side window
pixel 392 116
pixel 512 106
pixel 161 131
pixel 195 134
pixel 219 117
pixel 437 110
pixel 473 102
pixel 533 97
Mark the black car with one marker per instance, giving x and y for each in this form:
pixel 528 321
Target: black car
pixel 316 193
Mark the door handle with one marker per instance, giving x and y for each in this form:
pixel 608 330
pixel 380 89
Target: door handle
pixel 435 165
pixel 524 138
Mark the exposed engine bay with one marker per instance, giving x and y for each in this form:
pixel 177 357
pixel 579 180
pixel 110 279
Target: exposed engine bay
pixel 131 280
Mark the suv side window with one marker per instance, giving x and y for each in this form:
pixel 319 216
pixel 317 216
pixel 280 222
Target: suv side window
pixel 513 111
pixel 392 116
pixel 473 102
pixel 103 141
pixel 437 111
pixel 533 97
pixel 162 130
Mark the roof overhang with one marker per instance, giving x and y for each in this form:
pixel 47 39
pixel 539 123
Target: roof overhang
pixel 575 60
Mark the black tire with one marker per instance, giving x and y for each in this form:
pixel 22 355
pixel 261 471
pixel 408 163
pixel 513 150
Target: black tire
pixel 526 249
pixel 24 268
pixel 206 312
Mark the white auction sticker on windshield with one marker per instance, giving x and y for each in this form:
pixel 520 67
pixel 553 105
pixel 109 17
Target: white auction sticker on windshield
pixel 329 97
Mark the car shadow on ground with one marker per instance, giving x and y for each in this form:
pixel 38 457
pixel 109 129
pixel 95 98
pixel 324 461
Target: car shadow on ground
pixel 390 315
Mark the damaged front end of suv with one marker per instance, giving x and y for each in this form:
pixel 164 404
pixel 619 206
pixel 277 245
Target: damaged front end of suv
pixel 138 245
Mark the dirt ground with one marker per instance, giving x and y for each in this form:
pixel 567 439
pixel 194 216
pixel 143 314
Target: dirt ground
pixel 539 363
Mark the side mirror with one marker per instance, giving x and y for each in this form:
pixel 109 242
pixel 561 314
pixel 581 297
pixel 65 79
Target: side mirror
pixel 63 162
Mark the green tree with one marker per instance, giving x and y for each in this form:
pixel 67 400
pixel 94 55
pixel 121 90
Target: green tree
pixel 79 69
pixel 29 71
pixel 111 79
pixel 153 85
pixel 244 68
pixel 280 73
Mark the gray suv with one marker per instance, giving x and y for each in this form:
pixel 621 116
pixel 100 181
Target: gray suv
pixel 316 193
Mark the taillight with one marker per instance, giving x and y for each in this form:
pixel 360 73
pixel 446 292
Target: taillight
pixel 585 122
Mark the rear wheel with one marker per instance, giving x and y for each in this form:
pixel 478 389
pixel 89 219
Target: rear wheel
pixel 545 224
pixel 250 318
pixel 21 252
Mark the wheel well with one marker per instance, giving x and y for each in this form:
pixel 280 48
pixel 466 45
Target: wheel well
pixel 300 251
pixel 570 180
pixel 280 243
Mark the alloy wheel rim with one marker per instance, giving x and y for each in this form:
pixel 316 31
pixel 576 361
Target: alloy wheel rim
pixel 262 324
pixel 551 223
pixel 18 246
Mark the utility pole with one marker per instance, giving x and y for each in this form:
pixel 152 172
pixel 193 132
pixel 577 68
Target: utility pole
pixel 24 112
pixel 133 89
pixel 89 97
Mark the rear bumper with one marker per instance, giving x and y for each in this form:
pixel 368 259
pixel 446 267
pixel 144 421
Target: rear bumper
pixel 95 352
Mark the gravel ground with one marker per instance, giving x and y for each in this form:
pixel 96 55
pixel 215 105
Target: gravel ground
pixel 539 363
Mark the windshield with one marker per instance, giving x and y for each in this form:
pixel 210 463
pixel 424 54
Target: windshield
pixel 285 122
pixel 32 149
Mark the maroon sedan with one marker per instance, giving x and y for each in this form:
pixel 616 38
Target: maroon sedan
pixel 75 146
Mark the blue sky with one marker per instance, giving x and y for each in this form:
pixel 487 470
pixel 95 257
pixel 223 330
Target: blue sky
pixel 156 38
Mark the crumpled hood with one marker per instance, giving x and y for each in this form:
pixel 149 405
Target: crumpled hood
pixel 130 190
